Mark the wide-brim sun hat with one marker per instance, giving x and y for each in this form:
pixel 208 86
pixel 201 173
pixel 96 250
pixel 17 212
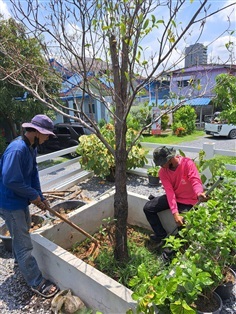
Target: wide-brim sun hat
pixel 41 123
pixel 162 155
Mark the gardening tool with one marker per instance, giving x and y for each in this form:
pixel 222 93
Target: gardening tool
pixel 96 246
pixel 167 253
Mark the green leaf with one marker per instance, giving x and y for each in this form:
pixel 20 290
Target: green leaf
pixel 181 307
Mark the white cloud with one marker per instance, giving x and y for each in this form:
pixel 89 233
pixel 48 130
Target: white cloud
pixel 229 13
pixel 218 52
pixel 4 9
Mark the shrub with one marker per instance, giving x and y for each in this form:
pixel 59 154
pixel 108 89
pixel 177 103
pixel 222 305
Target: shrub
pixel 3 144
pixel 164 122
pixel 96 157
pixel 184 119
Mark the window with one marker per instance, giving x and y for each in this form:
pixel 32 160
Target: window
pixel 183 83
pixel 62 130
pixel 91 108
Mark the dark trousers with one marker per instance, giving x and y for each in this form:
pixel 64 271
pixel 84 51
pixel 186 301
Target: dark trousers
pixel 156 205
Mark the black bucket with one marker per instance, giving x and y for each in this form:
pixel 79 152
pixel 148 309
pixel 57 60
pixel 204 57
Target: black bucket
pixel 7 240
pixel 67 206
pixel 225 290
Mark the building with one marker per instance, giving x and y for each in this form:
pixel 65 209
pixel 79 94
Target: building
pixel 196 85
pixel 72 94
pixel 195 55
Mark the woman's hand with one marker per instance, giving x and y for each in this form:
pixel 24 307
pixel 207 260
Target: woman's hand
pixel 179 219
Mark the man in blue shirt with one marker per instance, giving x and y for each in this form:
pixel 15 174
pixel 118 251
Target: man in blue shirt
pixel 20 186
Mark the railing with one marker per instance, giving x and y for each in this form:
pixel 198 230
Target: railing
pixel 63 175
pixel 69 173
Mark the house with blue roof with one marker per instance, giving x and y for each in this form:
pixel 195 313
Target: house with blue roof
pixel 196 85
pixel 72 94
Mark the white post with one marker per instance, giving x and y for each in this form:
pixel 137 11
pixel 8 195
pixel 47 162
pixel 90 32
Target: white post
pixel 209 149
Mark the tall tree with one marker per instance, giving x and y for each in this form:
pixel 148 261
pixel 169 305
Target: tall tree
pixel 107 38
pixel 225 91
pixel 16 105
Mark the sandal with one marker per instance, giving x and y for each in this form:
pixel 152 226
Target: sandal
pixel 44 289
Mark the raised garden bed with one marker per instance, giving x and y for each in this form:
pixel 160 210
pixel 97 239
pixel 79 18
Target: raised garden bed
pixel 68 271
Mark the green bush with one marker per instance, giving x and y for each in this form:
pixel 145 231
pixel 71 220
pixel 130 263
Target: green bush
pixel 184 121
pixel 204 249
pixel 164 122
pixel 3 144
pixel 139 114
pixel 96 157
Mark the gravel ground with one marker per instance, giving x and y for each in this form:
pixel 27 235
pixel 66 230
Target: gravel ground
pixel 15 295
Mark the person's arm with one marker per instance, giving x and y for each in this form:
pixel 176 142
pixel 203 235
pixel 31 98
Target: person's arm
pixel 35 182
pixel 195 180
pixel 170 194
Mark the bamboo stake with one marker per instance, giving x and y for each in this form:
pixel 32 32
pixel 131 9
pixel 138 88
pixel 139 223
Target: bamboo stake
pixel 56 196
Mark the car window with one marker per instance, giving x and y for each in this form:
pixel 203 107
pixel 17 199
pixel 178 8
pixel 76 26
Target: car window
pixel 78 130
pixel 63 130
pixel 87 131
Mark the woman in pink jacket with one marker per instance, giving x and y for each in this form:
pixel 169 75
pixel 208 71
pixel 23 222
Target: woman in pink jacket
pixel 182 184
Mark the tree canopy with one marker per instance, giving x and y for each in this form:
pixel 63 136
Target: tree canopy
pixel 225 91
pixel 18 53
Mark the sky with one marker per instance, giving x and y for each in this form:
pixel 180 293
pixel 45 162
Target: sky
pixel 213 35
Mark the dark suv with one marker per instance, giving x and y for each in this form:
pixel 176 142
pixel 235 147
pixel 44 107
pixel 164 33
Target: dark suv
pixel 67 136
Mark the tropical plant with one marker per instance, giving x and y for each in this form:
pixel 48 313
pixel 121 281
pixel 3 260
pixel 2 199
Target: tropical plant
pixel 141 114
pixel 96 157
pixel 225 96
pixel 164 122
pixel 14 108
pixel 153 171
pixel 184 121
pixel 204 248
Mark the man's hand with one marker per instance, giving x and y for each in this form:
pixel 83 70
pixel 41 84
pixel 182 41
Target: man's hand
pixel 179 219
pixel 37 202
pixel 202 197
pixel 46 203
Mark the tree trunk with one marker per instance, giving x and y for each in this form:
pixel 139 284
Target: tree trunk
pixel 121 208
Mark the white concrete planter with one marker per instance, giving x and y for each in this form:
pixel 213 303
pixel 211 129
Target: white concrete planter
pixel 96 290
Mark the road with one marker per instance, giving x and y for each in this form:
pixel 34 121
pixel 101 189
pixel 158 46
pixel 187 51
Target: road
pixel 220 142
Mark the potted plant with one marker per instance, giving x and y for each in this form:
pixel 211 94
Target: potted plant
pixel 95 155
pixel 153 177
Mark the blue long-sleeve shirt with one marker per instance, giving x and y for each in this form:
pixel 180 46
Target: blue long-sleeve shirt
pixel 19 179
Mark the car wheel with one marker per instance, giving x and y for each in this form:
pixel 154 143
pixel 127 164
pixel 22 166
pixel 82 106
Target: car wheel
pixel 232 134
pixel 41 149
pixel 73 155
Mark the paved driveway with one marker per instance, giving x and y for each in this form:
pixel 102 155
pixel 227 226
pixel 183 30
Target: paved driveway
pixel 220 142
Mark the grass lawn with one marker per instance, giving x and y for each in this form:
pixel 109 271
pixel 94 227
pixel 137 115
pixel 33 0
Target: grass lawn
pixel 168 138
pixel 51 162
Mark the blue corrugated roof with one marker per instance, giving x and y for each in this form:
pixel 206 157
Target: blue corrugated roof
pixel 72 82
pixel 200 101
